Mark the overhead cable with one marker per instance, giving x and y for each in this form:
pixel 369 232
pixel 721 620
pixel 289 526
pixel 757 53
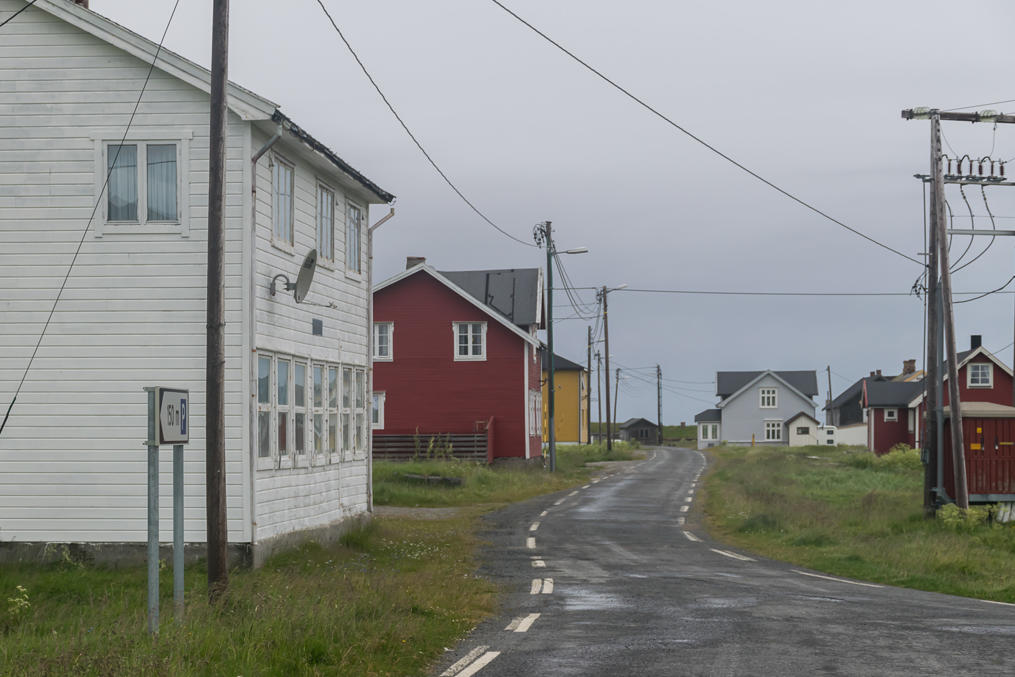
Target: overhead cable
pixel 91 217
pixel 11 17
pixel 433 163
pixel 698 139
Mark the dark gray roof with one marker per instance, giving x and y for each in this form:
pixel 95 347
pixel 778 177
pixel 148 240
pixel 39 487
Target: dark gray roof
pixel 514 292
pixel 729 382
pixel 559 363
pixel 892 393
pixel 634 421
pixel 797 415
pixel 708 416
pixel 855 389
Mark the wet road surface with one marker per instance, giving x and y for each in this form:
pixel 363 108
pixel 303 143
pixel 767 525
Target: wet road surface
pixel 618 578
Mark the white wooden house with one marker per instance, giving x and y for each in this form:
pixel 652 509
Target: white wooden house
pixel 72 461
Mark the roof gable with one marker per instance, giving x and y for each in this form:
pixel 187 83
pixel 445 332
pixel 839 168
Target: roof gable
pixel 422 268
pixel 760 376
pixel 801 414
pixel 635 421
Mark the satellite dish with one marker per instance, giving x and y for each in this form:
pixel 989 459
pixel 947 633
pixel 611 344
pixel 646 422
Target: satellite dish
pixel 303 280
pixel 306 276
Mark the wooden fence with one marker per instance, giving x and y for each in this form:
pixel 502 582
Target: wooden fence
pixel 475 446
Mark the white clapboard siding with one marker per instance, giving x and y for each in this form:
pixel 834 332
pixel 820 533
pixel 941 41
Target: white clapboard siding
pixel 71 459
pixel 289 499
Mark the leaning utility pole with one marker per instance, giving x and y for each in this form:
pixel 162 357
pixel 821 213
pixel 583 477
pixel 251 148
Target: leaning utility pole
pixel 544 233
pixel 616 393
pixel 606 349
pixel 937 187
pixel 933 442
pixel 659 401
pixel 588 393
pixel 215 439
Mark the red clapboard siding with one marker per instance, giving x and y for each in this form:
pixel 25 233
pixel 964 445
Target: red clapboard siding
pixel 426 389
pixel 889 433
pixel 1001 393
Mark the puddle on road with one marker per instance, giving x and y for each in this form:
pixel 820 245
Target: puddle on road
pixel 724 602
pixel 586 600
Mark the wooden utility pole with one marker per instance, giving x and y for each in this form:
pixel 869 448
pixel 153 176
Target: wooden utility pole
pixel 606 348
pixel 958 452
pixel 588 393
pixel 828 400
pixel 616 394
pixel 659 401
pixel 215 442
pixel 932 380
pixel 599 399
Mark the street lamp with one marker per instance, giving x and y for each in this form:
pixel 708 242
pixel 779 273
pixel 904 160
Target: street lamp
pixel 606 348
pixel 543 233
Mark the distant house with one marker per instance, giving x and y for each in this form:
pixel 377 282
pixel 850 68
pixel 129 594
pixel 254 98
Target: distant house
pixel 894 411
pixel 846 411
pixel 755 406
pixel 571 404
pixel 639 430
pixel 803 429
pixel 134 310
pixel 456 361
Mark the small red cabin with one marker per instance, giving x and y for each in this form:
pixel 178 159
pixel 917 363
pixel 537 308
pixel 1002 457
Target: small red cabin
pixel 456 359
pixel 988 435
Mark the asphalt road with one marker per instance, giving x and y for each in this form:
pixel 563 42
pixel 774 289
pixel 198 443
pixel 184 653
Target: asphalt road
pixel 618 578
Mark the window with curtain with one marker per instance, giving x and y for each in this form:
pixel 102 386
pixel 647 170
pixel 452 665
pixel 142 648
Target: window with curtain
pixel 282 175
pixel 162 182
pixel 352 238
pixel 132 193
pixel 121 191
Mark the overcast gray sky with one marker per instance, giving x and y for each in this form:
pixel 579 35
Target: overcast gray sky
pixel 806 93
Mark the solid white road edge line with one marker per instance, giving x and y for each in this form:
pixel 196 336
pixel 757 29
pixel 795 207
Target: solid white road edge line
pixel 692 537
pixel 480 663
pixel 530 543
pixel 465 660
pixel 838 580
pixel 534 527
pixel 733 555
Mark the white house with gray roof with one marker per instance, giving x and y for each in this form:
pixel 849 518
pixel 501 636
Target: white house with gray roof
pixel 755 406
pixel 133 314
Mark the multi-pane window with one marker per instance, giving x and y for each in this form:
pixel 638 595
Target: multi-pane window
pixel 282 176
pixel 282 407
pixel 263 406
pixel 710 431
pixel 773 431
pixel 470 343
pixel 333 410
pixel 353 226
pixel 891 414
pixel 382 340
pixel 377 411
pixel 143 180
pixel 768 398
pixel 803 430
pixel 361 410
pixel 318 401
pixel 980 375
pixel 347 440
pixel 300 408
pixel 715 431
pixel 325 224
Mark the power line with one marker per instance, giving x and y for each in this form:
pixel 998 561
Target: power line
pixel 412 136
pixel 11 17
pixel 993 225
pixel 91 217
pixel 707 292
pixel 979 105
pixel 988 293
pixel 701 141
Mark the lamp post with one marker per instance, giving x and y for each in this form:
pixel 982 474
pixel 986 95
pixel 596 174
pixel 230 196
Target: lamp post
pixel 606 349
pixel 543 233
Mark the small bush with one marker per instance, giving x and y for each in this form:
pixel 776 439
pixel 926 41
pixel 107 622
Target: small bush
pixel 18 608
pixel 953 517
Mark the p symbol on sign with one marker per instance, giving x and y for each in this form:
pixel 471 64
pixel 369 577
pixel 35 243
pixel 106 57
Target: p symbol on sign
pixel 183 417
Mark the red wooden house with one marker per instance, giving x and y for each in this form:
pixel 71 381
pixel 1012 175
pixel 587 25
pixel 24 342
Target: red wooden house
pixel 894 411
pixel 456 359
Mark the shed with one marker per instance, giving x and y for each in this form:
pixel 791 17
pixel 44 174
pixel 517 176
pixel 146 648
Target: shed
pixel 988 434
pixel 639 430
pixel 802 429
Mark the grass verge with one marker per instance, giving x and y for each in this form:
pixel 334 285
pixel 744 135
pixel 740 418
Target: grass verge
pixel 848 513
pixel 385 602
pixel 487 484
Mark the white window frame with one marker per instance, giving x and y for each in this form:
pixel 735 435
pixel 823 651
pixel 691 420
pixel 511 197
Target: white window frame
pixel 354 237
pixel 391 344
pixel 715 432
pixel 347 416
pixel 773 431
pixel 282 410
pixel 315 409
pixel 325 250
pixel 360 409
pixel 969 375
pixel 265 462
pixel 891 415
pixel 301 460
pixel 278 239
pixel 768 394
pixel 455 329
pixel 101 140
pixel 377 398
pixel 333 447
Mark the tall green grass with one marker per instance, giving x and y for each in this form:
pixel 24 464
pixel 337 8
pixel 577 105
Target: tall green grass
pixel 850 513
pixel 384 603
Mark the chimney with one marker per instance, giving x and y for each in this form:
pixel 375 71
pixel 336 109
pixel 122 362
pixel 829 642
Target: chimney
pixel 872 374
pixel 908 367
pixel 83 3
pixel 412 261
pixel 975 341
pixel 879 372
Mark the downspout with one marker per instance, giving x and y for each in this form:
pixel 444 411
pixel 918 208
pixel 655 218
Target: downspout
pixel 370 353
pixel 252 292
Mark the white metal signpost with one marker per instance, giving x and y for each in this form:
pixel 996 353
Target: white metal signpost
pixel 168 423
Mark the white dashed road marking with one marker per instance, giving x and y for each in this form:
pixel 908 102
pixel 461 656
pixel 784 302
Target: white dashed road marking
pixel 538 563
pixel 543 514
pixel 522 623
pixel 459 669
pixel 558 502
pixel 530 543
pixel 534 527
pixel 684 508
pixel 837 580
pixel 586 486
pixel 680 521
pixel 573 492
pixel 688 499
pixel 727 553
pixel 541 585
pixel 692 537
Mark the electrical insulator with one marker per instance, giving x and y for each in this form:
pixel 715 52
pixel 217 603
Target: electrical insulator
pixel 949 165
pixel 1002 168
pixel 979 168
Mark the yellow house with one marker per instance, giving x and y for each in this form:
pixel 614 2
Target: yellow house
pixel 571 405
